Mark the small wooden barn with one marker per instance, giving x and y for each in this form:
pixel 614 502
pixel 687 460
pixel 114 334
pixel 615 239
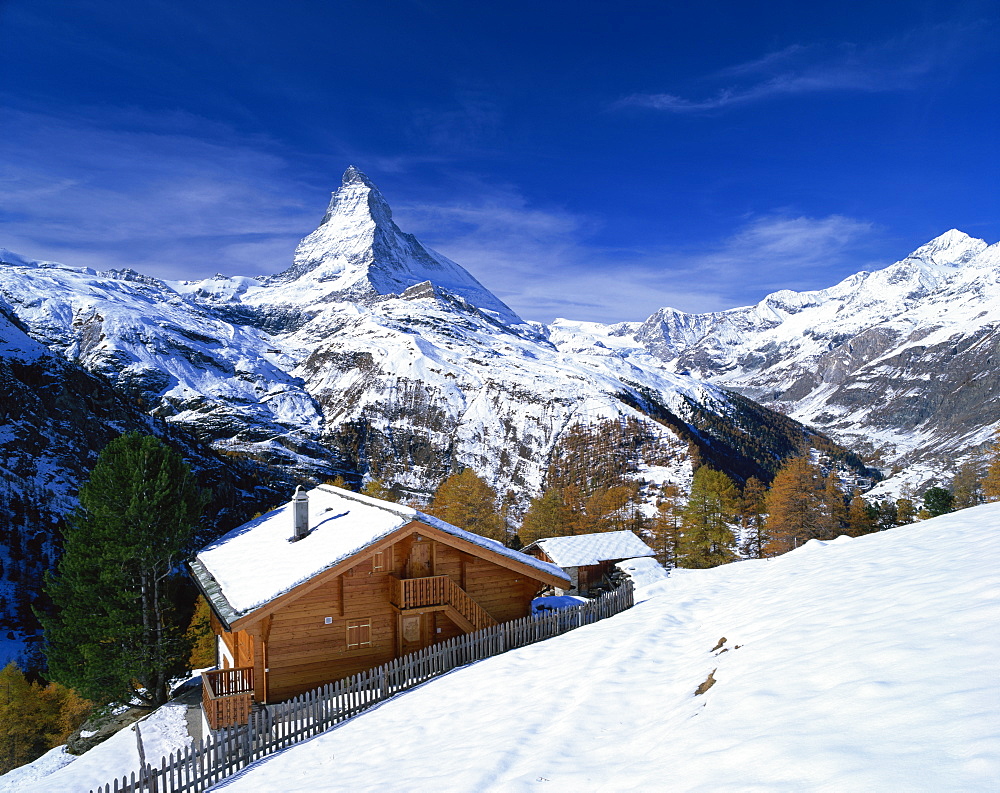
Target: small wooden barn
pixel 588 558
pixel 334 583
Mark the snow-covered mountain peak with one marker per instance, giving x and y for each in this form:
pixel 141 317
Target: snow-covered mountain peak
pixel 952 248
pixel 359 253
pixel 357 200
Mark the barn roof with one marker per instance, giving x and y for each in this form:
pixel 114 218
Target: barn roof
pixel 580 550
pixel 255 563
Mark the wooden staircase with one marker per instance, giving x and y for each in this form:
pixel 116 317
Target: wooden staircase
pixel 439 592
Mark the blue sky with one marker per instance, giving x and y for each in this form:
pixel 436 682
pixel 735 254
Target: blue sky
pixel 582 159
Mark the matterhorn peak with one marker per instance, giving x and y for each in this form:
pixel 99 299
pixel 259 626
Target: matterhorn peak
pixel 359 253
pixel 357 200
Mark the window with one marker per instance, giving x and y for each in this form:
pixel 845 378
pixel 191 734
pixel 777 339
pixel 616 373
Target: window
pixel 378 561
pixel 359 633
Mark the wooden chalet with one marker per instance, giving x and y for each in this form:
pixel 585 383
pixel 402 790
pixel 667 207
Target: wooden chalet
pixel 588 559
pixel 334 583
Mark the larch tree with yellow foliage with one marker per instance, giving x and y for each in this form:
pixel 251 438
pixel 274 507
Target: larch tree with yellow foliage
pixel 466 500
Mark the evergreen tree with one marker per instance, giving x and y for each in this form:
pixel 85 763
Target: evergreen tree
pixel 991 482
pixel 666 525
pixel 937 501
pixel 707 539
pixel 795 506
pixel 886 515
pixel 467 501
pixel 547 516
pixel 753 518
pixel 113 634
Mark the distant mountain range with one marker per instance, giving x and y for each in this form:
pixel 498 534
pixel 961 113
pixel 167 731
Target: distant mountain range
pixel 902 364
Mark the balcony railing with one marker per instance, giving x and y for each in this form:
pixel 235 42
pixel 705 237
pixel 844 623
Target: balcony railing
pixel 439 590
pixel 227 696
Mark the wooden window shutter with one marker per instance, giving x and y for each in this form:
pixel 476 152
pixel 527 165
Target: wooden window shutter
pixel 359 633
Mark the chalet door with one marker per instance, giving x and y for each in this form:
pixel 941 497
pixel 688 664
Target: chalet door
pixel 419 564
pixel 412 632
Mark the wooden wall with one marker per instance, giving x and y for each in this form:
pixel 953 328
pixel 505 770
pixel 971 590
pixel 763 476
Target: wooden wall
pixel 305 651
pixel 239 644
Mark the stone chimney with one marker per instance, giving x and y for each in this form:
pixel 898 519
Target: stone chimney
pixel 300 514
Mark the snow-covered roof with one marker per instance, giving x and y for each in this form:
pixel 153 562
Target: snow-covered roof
pixel 255 563
pixel 643 571
pixel 585 549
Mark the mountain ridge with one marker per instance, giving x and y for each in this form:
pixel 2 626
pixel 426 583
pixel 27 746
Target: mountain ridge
pixel 897 362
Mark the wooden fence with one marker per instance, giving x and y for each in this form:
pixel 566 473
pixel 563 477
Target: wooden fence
pixel 276 727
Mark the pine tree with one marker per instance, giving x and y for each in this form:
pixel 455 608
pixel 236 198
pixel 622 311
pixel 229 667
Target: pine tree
pixel 833 519
pixel 886 515
pixel 547 516
pixel 937 501
pixel 376 489
pixel 753 518
pixel 114 634
pixel 34 718
pixel 906 511
pixel 795 506
pixel 467 501
pixel 610 508
pixel 707 539
pixel 200 636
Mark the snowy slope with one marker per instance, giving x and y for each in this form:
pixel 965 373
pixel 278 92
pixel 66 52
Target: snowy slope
pixel 857 665
pixel 900 361
pixel 162 732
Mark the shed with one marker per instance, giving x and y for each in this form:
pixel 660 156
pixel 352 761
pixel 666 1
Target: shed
pixel 334 583
pixel 588 558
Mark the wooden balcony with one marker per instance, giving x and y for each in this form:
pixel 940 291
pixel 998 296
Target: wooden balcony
pixel 227 696
pixel 440 592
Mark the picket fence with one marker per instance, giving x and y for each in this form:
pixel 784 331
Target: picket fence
pixel 276 727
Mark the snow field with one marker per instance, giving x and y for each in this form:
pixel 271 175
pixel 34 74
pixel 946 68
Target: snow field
pixel 163 731
pixel 864 664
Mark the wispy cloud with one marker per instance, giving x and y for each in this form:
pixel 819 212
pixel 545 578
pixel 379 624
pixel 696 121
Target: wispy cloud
pixel 779 251
pixel 178 197
pixel 898 64
pixel 544 263
pixel 173 195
